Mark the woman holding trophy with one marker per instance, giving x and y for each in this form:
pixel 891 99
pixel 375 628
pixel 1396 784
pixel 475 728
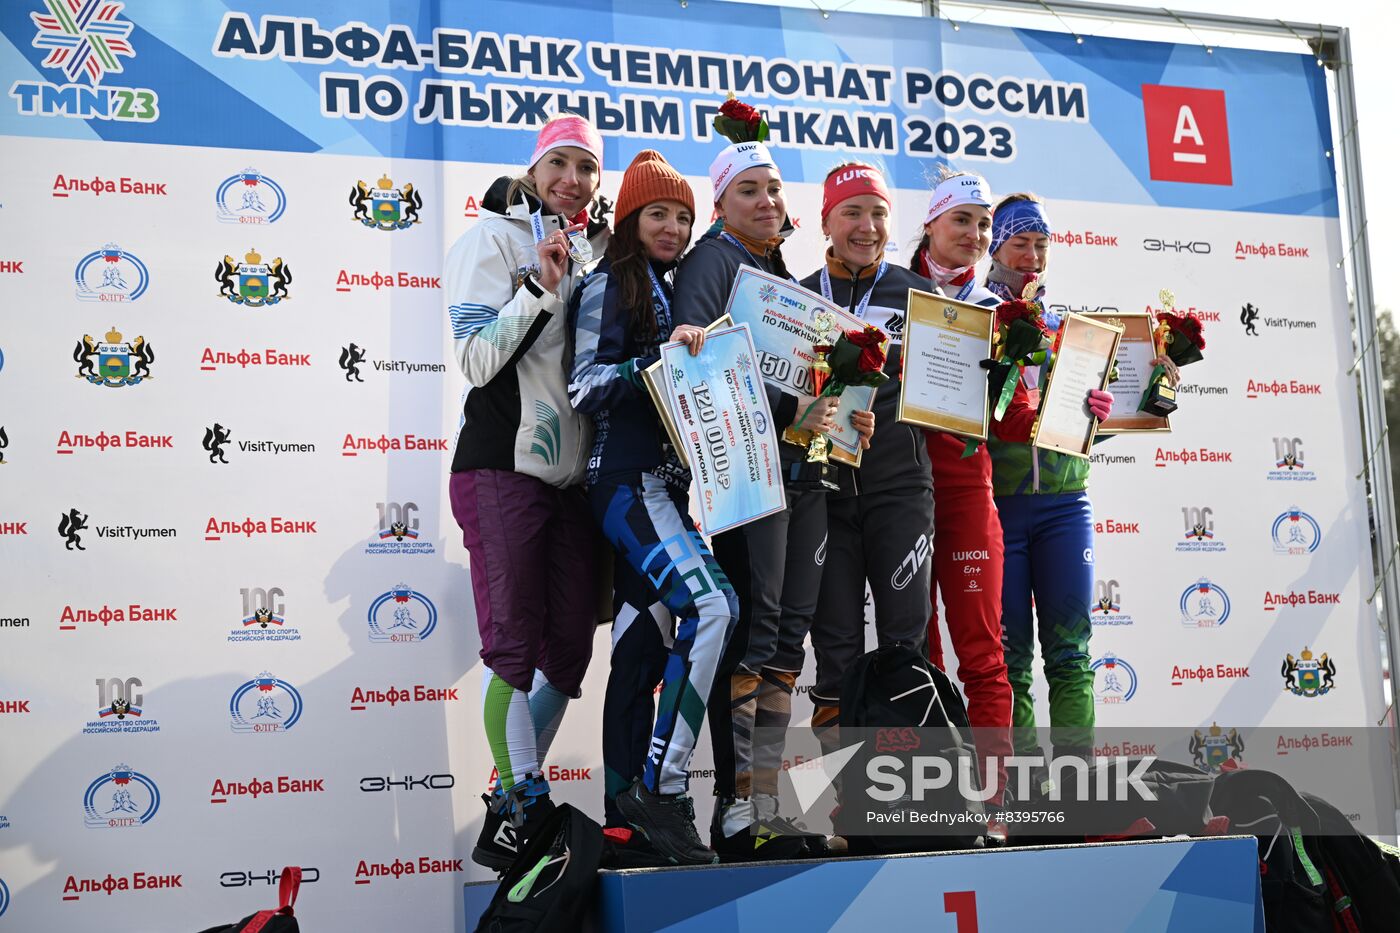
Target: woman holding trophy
pixel 1046 517
pixel 774 562
pixel 879 517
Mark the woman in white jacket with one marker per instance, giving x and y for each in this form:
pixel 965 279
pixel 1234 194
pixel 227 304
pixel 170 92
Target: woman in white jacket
pixel 519 457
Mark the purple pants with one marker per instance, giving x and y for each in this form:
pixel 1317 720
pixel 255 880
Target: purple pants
pixel 532 561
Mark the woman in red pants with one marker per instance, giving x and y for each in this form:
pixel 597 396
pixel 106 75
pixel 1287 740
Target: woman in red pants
pixel 967 546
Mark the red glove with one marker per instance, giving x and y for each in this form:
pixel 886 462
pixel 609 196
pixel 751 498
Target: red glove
pixel 1100 404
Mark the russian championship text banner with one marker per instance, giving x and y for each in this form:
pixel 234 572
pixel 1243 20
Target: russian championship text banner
pixel 1147 123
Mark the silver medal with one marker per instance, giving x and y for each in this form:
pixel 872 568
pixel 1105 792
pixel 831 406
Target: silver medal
pixel 580 250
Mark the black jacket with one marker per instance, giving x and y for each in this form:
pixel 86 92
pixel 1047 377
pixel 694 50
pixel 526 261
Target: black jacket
pixel 897 458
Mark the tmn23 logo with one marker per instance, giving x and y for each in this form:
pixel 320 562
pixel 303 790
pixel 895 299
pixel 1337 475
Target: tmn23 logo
pixel 118 362
pixel 385 207
pixel 85 40
pixel 252 282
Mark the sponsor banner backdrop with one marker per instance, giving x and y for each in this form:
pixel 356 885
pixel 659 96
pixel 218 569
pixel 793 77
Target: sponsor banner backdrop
pixel 237 606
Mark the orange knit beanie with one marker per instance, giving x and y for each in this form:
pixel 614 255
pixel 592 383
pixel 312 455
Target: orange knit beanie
pixel 651 178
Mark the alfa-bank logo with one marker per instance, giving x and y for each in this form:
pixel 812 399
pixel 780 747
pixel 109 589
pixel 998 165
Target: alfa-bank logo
pixel 1188 135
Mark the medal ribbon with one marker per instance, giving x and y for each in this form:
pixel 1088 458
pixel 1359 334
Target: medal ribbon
pixel 1008 387
pixel 725 234
pixel 537 224
pixel 864 302
pixel 663 304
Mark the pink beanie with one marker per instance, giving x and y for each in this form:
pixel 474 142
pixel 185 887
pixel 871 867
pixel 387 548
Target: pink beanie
pixel 568 129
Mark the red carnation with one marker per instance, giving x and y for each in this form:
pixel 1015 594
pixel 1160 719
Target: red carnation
pixel 736 109
pixel 856 359
pixel 738 122
pixel 872 355
pixel 1018 310
pixel 1188 325
pixel 1185 337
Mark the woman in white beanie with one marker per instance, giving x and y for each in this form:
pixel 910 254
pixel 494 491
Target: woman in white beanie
pixel 773 563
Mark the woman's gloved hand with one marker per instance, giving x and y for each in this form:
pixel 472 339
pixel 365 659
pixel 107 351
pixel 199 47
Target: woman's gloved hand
pixel 1100 404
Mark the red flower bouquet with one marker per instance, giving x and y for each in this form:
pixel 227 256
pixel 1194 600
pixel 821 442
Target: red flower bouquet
pixel 1022 337
pixel 1181 337
pixel 867 346
pixel 856 358
pixel 740 123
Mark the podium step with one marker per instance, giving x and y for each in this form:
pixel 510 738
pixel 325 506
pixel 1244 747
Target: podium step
pixel 1171 886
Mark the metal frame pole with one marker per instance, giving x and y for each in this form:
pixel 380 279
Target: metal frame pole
pixel 1160 16
pixel 1376 465
pixel 1373 421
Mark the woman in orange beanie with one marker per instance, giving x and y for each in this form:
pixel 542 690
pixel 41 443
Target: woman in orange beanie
pixel 640 494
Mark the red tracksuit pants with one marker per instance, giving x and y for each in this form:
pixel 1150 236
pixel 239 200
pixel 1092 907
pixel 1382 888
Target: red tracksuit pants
pixel 967 565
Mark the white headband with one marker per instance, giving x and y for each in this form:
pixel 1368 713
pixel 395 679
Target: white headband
pixel 734 159
pixel 957 191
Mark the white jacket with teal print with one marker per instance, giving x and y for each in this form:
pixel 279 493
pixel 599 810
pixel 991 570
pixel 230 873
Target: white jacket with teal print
pixel 512 342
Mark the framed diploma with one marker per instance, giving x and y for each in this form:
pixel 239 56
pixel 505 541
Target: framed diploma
pixel 944 387
pixel 725 427
pixel 651 378
pixel 782 316
pixel 1135 354
pixel 1086 354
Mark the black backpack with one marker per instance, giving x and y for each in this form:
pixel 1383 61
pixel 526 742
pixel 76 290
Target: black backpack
pixel 271 921
pixel 1292 866
pixel 1362 878
pixel 896 690
pixel 550 886
pixel 1181 807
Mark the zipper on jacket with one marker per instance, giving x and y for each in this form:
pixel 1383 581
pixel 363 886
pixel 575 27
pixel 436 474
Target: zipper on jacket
pixel 855 280
pixel 1035 464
